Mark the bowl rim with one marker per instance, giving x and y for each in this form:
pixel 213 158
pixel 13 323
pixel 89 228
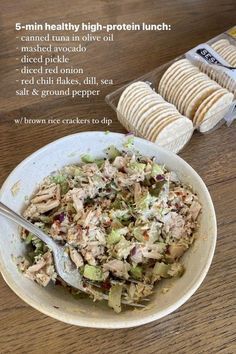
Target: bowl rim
pixel 112 324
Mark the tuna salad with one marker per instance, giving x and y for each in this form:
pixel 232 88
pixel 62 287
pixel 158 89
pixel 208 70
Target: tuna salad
pixel 126 220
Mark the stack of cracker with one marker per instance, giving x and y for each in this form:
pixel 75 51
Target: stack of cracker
pixel 226 50
pixel 228 53
pixel 194 94
pixel 146 113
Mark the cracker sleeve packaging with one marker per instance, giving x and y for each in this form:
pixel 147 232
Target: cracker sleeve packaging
pixel 196 91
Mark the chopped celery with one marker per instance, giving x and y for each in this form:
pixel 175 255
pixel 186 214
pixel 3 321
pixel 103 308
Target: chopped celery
pixel 87 158
pixel 62 180
pixel 112 152
pixel 157 189
pixel 58 179
pixel 137 166
pixel 114 298
pixel 28 239
pixel 99 162
pixel 129 142
pixel 138 233
pixel 156 170
pixel 161 270
pixel 46 219
pixel 143 201
pixel 64 187
pixel 123 248
pixel 93 273
pixel 136 272
pixel 114 237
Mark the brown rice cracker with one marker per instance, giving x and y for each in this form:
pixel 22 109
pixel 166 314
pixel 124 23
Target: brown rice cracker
pixel 183 77
pixel 232 59
pixel 214 111
pixel 175 135
pixel 201 109
pixel 124 96
pixel 228 55
pixel 145 112
pixel 143 106
pixel 174 79
pixel 183 87
pixel 191 89
pixel 127 90
pixel 169 72
pixel 135 102
pixel 221 78
pixel 200 96
pixel 220 44
pixel 155 118
pixel 195 91
pixel 161 125
pixel 128 104
pixel 152 114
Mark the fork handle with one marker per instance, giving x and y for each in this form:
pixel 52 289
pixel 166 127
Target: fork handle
pixel 18 219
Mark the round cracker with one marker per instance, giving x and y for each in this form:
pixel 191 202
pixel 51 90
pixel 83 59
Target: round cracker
pixel 231 58
pixel 189 90
pixel 176 134
pixel 208 103
pixel 221 43
pixel 193 90
pixel 131 99
pixel 123 97
pixel 198 116
pixel 151 103
pixel 216 112
pixel 153 113
pixel 182 80
pixel 128 89
pixel 179 74
pixel 200 96
pixel 142 102
pixel 161 125
pixel 183 89
pixel 168 72
pixel 155 118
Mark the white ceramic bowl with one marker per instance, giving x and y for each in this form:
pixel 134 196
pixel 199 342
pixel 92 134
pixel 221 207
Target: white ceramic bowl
pixel 54 301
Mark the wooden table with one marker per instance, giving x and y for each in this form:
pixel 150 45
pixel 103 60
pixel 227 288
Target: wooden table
pixel 207 322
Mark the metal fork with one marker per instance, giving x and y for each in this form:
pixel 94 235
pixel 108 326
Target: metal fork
pixel 64 266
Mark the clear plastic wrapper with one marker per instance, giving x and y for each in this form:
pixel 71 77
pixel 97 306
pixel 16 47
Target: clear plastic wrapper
pixel 208 112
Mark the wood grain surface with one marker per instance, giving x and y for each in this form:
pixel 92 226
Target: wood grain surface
pixel 207 322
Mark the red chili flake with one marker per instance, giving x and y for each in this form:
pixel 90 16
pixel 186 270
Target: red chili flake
pixel 107 223
pixel 106 285
pixel 177 205
pixel 56 223
pixel 145 235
